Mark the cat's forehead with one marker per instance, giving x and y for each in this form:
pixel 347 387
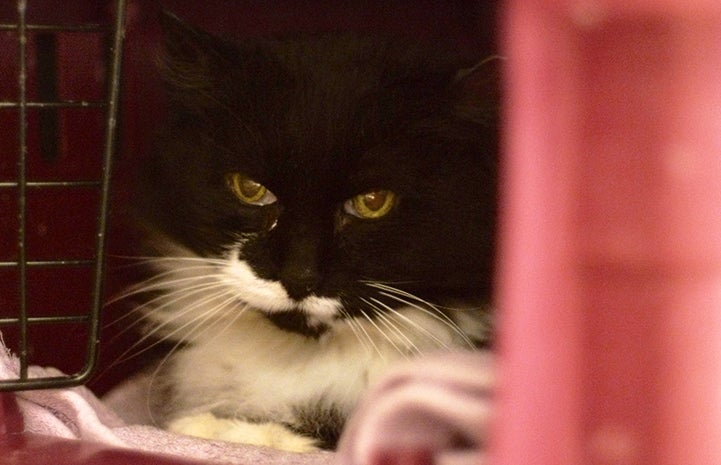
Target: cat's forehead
pixel 331 113
pixel 332 86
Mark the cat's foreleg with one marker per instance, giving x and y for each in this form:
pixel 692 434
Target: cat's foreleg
pixel 273 435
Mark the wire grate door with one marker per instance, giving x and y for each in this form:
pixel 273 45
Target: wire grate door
pixel 58 121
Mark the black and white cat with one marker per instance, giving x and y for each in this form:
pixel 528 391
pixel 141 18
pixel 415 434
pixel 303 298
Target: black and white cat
pixel 320 208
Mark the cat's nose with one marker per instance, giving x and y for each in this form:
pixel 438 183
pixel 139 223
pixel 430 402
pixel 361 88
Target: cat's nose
pixel 299 281
pixel 299 265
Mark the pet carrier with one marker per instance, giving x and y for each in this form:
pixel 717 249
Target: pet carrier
pixel 59 96
pixel 610 282
pixel 54 189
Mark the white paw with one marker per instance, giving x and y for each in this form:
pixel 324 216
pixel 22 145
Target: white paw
pixel 273 435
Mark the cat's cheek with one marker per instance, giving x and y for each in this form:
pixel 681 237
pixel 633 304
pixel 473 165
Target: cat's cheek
pixel 260 293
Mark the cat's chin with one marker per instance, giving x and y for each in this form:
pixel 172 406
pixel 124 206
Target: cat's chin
pixel 298 323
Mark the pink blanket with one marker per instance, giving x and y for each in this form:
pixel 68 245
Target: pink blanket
pixel 433 410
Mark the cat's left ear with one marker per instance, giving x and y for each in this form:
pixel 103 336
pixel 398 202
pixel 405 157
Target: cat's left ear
pixel 191 61
pixel 477 90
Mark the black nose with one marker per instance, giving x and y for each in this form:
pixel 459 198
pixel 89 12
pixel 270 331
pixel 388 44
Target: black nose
pixel 301 245
pixel 299 280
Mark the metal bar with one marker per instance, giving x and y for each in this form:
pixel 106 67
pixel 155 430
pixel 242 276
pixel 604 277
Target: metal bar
pixel 47 101
pixel 49 263
pixel 25 384
pixel 55 27
pixel 51 184
pixel 60 104
pixel 111 119
pixel 22 186
pixel 46 319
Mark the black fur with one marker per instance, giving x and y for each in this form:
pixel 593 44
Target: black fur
pixel 320 421
pixel 319 120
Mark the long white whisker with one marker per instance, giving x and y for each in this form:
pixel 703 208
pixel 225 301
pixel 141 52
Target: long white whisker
pixel 390 324
pixel 411 324
pixel 353 325
pixel 379 315
pixel 429 309
pixel 368 337
pixel 158 261
pixel 159 303
pixel 408 295
pixel 196 304
pixel 384 334
pixel 167 299
pixel 210 314
pixel 203 317
pixel 161 258
pixel 159 281
pixel 199 322
pixel 230 321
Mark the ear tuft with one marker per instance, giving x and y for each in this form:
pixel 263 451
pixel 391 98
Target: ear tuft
pixel 191 60
pixel 478 89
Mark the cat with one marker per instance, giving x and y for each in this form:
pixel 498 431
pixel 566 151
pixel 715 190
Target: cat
pixel 320 208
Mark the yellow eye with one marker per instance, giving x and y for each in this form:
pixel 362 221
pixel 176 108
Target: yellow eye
pixel 371 205
pixel 249 191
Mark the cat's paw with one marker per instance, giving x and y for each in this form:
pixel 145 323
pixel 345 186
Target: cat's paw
pixel 273 435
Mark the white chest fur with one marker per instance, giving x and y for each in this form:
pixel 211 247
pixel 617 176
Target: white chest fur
pixel 239 365
pixel 256 370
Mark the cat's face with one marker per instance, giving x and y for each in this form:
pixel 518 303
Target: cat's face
pixel 324 178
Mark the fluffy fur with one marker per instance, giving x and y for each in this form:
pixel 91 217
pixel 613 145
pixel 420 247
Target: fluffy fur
pixel 280 314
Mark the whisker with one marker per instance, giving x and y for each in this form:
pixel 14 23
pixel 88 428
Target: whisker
pixel 353 325
pixel 200 321
pixel 159 281
pixel 384 283
pixel 230 321
pixel 203 318
pixel 383 320
pixel 196 304
pixel 161 258
pixel 430 309
pixel 195 333
pixel 438 316
pixel 181 295
pixel 412 324
pixel 146 259
pixel 207 322
pixel 384 334
pixel 402 293
pixel 369 338
pixel 399 332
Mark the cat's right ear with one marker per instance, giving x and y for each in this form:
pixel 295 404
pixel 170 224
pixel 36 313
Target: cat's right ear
pixel 478 89
pixel 191 61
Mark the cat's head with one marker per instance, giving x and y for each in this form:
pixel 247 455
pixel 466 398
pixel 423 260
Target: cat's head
pixel 325 177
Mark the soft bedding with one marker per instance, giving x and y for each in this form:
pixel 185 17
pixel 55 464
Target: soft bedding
pixel 435 409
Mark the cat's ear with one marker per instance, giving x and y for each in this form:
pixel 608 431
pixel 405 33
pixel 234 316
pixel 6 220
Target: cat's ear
pixel 477 90
pixel 191 60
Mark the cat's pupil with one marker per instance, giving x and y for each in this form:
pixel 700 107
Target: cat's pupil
pixel 372 205
pixel 246 189
pixel 374 201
